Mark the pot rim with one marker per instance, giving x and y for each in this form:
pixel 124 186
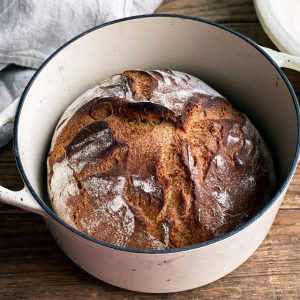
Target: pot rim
pixel 237 229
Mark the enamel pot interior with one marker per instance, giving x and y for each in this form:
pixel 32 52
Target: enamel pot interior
pixel 226 61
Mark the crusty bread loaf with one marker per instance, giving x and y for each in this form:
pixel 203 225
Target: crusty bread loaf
pixel 155 160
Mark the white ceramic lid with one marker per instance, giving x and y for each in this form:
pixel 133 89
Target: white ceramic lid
pixel 280 21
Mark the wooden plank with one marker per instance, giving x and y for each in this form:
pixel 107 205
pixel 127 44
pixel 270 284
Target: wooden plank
pixel 220 11
pixel 9 175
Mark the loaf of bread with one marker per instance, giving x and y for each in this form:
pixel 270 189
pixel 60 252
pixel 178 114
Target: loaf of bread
pixel 156 159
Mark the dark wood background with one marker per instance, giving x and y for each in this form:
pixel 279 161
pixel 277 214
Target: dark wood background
pixel 33 267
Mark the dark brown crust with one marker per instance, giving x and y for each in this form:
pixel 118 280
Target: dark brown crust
pixel 141 83
pixel 197 159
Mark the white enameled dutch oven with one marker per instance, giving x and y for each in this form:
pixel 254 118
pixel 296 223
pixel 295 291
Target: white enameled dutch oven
pixel 231 63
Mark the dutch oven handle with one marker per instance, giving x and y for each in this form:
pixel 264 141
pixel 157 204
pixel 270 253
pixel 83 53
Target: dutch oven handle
pixel 22 198
pixel 284 60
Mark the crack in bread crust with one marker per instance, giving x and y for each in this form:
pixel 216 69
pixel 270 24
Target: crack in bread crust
pixel 155 160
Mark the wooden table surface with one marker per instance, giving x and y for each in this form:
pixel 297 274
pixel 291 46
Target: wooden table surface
pixel 33 267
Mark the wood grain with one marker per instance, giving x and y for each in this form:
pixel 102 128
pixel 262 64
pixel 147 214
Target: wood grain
pixel 221 11
pixel 33 267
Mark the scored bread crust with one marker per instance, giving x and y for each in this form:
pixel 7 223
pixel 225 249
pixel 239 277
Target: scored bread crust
pixel 156 159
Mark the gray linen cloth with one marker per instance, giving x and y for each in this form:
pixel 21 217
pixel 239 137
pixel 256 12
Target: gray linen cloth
pixel 30 30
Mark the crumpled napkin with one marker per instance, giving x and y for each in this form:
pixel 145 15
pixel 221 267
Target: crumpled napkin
pixel 30 30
